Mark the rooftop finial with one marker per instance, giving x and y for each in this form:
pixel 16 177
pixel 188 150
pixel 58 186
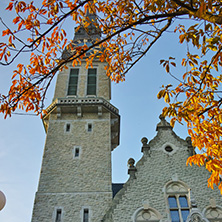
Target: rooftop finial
pixel 145 147
pixel 161 117
pixel 163 123
pixel 131 168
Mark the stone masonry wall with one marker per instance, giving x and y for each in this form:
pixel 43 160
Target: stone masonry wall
pixel 72 183
pixel 71 204
pixel 91 171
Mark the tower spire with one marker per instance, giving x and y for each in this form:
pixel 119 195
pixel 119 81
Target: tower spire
pixel 90 32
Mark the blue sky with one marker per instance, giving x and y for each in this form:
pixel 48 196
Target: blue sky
pixel 22 138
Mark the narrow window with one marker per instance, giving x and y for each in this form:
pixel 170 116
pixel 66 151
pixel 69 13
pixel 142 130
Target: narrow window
pixel 174 211
pixel 91 82
pixel 58 215
pixel 67 127
pixel 76 152
pixel 73 81
pixel 89 127
pixel 86 215
pixel 184 207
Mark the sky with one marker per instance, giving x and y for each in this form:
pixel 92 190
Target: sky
pixel 22 137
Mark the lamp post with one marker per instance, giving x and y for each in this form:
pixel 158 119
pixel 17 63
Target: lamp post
pixel 2 200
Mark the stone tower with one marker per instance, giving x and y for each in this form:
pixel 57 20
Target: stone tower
pixel 82 129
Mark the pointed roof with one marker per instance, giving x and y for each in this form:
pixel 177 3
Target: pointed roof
pixel 84 36
pixel 92 32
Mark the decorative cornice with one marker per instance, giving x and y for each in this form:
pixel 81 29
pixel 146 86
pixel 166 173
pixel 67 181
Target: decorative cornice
pixel 82 101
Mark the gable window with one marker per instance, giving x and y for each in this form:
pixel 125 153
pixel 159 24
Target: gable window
pixel 179 209
pixel 177 197
pixel 73 81
pixel 91 81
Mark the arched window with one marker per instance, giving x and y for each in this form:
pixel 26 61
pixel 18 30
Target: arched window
pixel 177 194
pixel 146 215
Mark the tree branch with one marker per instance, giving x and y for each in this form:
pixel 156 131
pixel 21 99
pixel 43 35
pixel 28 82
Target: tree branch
pixel 205 16
pixel 150 45
pixel 44 33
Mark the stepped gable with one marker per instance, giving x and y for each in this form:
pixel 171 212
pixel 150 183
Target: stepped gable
pixel 159 174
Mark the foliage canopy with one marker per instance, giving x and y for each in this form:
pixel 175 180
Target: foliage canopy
pixel 129 28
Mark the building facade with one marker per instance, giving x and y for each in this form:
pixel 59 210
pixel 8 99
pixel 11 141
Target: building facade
pixel 82 129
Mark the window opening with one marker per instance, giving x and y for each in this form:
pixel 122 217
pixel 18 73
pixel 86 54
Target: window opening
pixel 77 152
pixel 169 149
pixel 91 81
pixel 67 127
pixel 86 215
pixel 58 215
pixel 73 81
pixel 179 208
pixel 89 127
pixel 177 196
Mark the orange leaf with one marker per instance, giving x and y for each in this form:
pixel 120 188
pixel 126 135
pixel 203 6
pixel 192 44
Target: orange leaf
pixel 10 6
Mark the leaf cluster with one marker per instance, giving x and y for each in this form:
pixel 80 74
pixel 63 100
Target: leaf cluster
pixel 128 29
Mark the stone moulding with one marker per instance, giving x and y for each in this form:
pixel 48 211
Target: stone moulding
pixel 82 101
pixel 196 216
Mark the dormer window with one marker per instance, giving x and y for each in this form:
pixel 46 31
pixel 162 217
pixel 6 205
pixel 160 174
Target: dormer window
pixel 73 82
pixel 91 82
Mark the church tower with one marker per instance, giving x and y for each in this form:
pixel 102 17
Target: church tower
pixel 82 129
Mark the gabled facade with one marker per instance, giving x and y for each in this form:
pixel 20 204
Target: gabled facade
pixel 82 129
pixel 161 188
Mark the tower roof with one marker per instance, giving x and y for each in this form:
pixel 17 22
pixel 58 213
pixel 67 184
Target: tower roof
pixel 85 34
pixel 91 32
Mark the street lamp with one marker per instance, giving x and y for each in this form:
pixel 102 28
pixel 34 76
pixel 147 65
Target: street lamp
pixel 2 200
